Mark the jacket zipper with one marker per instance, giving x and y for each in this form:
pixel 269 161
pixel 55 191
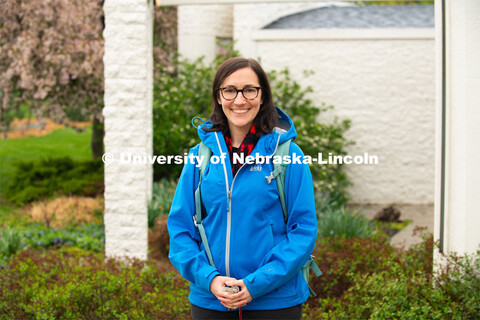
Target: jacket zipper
pixel 229 206
pixel 229 216
pixel 229 222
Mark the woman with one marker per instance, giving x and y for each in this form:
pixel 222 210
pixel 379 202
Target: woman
pixel 252 246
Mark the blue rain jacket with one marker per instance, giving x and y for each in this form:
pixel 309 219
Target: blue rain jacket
pixel 244 223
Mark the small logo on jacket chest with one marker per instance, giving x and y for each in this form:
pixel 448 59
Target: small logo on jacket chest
pixel 257 167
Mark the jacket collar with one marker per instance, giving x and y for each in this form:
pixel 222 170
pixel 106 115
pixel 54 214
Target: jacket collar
pixel 265 146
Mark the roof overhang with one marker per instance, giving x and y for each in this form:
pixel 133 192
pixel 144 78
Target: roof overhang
pixel 199 2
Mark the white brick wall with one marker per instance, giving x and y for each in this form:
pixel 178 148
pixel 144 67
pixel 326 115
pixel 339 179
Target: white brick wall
pixel 387 88
pixel 128 124
pixel 199 26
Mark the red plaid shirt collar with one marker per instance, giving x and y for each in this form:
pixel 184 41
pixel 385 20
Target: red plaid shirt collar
pixel 248 143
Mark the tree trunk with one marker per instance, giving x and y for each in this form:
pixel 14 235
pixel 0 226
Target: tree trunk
pixel 97 138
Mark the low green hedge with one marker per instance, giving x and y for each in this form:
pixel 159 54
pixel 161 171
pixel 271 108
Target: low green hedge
pixel 54 177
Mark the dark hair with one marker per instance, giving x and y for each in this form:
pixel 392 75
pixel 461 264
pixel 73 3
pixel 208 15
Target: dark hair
pixel 267 117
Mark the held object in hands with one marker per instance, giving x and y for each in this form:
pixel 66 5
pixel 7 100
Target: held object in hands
pixel 232 289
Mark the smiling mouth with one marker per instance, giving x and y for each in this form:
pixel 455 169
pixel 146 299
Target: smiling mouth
pixel 240 111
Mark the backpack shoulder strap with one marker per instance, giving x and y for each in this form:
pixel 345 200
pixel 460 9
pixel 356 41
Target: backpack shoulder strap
pixel 278 173
pixel 279 170
pixel 204 153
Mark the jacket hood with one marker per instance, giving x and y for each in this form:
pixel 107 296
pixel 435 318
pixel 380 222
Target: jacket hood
pixel 266 144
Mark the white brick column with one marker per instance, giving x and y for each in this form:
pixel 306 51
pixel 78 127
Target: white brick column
pixel 128 124
pixel 462 130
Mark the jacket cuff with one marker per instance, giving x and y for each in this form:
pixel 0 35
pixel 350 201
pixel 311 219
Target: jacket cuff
pixel 248 283
pixel 204 282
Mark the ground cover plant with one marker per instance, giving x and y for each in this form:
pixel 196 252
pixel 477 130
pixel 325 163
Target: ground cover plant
pixel 364 278
pixel 29 234
pixel 68 283
pixel 368 279
pixel 86 236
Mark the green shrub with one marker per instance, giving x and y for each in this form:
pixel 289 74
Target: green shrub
pixel 162 197
pixel 363 279
pixel 368 279
pixel 55 176
pixel 179 97
pixel 339 259
pixel 314 137
pixel 10 242
pixel 73 284
pixel 342 223
pixel 403 292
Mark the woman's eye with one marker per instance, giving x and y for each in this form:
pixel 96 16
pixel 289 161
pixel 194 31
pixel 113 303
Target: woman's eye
pixel 229 90
pixel 250 90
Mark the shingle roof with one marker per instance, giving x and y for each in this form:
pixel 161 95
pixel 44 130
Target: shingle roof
pixel 395 16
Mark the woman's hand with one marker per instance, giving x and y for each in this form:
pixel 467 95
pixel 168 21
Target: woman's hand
pixel 217 285
pixel 230 300
pixel 236 300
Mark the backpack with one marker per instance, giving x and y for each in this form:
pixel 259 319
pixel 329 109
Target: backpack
pixel 279 171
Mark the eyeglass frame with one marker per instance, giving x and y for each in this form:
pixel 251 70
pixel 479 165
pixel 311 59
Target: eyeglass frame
pixel 239 90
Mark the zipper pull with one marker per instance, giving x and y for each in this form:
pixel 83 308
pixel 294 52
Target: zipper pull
pixel 270 177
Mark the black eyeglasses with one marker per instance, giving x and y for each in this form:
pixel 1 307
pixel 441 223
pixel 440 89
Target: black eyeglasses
pixel 230 93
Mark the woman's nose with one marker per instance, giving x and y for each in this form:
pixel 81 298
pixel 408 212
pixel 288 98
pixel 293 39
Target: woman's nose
pixel 239 99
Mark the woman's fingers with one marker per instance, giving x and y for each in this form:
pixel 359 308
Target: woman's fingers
pixel 234 306
pixel 228 299
pixel 217 285
pixel 243 294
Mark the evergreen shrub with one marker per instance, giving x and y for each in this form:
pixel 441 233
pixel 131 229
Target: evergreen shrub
pixel 54 177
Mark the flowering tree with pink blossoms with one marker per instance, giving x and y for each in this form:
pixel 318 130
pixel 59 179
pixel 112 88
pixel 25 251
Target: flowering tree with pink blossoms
pixel 51 60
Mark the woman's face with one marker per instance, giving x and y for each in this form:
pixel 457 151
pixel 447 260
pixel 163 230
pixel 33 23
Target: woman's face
pixel 241 112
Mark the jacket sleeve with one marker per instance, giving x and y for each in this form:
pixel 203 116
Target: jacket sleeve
pixel 286 259
pixel 185 251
